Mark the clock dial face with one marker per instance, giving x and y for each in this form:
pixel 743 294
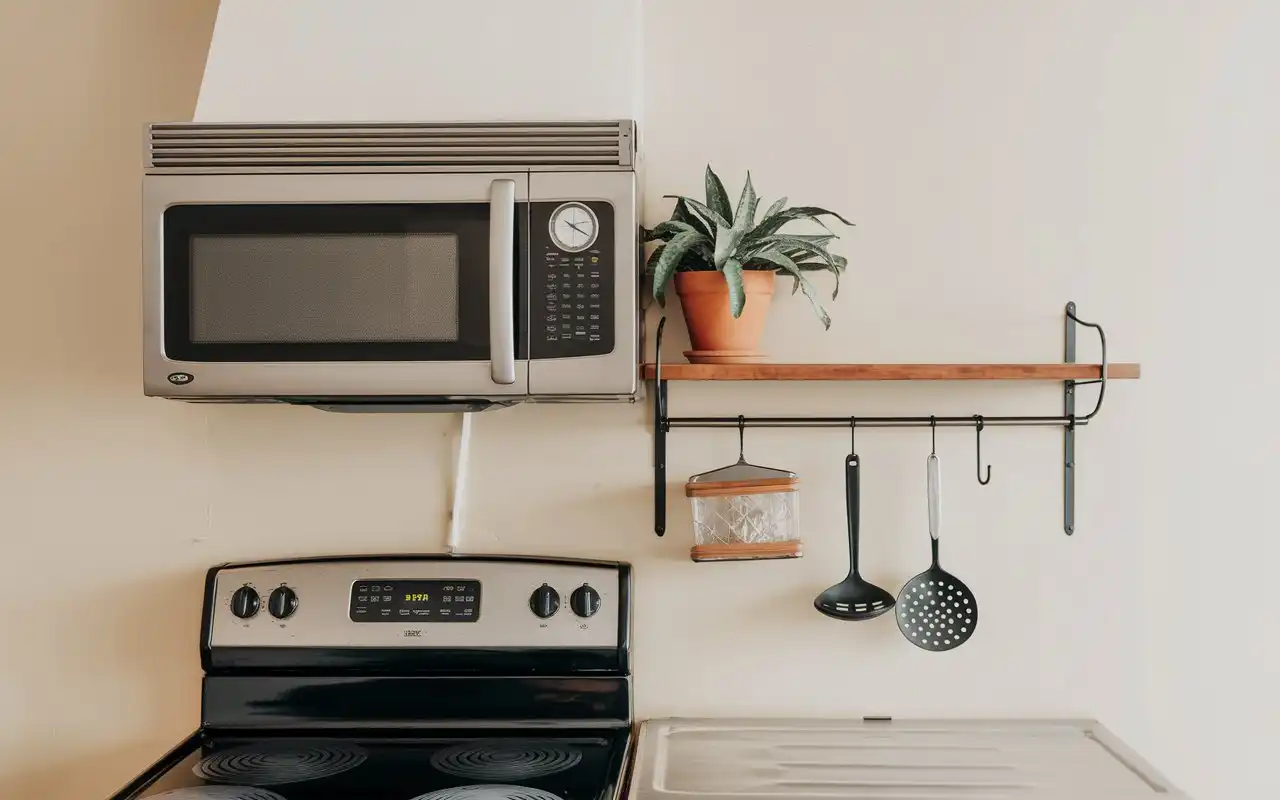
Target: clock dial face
pixel 574 227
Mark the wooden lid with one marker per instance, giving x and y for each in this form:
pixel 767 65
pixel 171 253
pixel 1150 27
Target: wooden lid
pixel 750 486
pixel 743 551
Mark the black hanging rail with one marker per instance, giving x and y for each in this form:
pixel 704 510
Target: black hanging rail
pixel 1068 421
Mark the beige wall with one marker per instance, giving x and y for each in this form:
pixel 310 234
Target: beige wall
pixel 1000 158
pixel 96 667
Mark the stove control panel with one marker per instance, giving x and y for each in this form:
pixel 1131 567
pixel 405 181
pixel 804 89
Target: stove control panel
pixel 395 600
pixel 460 602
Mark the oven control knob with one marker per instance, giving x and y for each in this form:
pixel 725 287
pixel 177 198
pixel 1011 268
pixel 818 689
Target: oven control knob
pixel 282 602
pixel 584 601
pixel 245 602
pixel 544 601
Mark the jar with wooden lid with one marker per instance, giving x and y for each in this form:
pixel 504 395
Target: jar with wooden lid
pixel 744 511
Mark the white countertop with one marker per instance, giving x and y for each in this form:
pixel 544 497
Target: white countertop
pixel 909 759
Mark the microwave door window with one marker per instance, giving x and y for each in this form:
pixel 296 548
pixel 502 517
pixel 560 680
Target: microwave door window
pixel 330 282
pixel 318 288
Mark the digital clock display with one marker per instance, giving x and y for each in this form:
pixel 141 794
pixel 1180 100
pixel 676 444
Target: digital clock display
pixel 408 600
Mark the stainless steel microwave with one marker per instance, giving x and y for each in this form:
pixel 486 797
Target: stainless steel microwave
pixel 391 266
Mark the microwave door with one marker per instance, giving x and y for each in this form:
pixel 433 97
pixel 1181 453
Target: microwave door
pixel 322 286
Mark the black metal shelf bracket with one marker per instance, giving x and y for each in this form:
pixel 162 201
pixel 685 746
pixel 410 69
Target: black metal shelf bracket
pixel 1069 421
pixel 1069 432
pixel 1069 411
pixel 660 430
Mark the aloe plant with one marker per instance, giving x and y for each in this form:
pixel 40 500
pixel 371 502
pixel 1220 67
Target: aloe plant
pixel 714 236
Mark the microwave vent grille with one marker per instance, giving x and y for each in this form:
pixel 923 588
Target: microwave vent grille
pixel 189 147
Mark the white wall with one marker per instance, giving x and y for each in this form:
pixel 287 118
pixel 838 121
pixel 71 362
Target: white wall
pixel 999 157
pixel 295 60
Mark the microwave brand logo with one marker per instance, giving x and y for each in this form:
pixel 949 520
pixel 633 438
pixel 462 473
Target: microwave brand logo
pixel 414 633
pixel 181 378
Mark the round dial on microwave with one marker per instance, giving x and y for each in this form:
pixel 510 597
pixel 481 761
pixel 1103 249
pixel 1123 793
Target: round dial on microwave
pixel 574 227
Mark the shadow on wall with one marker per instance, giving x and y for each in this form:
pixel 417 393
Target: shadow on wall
pixel 100 584
pixel 114 673
pixel 80 80
pixel 81 775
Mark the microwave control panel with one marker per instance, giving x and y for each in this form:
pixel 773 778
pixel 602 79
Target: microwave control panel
pixel 572 279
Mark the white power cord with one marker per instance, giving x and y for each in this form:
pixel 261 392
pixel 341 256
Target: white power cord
pixel 460 469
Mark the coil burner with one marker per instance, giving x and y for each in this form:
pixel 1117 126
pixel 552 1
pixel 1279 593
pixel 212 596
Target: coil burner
pixel 506 760
pixel 489 791
pixel 276 764
pixel 219 793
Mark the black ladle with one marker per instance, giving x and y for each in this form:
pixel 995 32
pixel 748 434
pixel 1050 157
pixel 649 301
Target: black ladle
pixel 853 599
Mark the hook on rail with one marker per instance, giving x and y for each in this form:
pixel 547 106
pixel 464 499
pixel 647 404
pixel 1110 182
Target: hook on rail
pixel 977 427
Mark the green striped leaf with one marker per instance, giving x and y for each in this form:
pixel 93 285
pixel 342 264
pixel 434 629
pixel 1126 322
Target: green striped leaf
pixel 793 269
pixel 709 217
pixel 672 253
pixel 682 213
pixel 669 229
pixel 814 211
pixel 772 223
pixel 795 243
pixel 776 207
pixel 745 215
pixel 717 197
pixel 737 292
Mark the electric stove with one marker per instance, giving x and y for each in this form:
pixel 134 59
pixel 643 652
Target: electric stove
pixel 408 678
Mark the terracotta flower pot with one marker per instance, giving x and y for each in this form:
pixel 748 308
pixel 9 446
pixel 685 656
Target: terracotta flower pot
pixel 715 335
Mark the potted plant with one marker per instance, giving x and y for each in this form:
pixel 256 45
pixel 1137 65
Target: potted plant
pixel 724 265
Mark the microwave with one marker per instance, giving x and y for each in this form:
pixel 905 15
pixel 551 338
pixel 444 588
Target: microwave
pixel 391 266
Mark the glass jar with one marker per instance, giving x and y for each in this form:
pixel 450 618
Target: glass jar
pixel 744 511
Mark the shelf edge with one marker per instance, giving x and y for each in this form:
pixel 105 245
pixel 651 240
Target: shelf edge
pixel 892 372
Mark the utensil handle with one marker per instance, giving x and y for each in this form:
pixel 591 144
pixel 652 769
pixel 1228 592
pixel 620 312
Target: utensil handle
pixel 935 499
pixel 852 510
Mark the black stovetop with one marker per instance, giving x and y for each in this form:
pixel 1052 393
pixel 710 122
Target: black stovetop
pixel 531 764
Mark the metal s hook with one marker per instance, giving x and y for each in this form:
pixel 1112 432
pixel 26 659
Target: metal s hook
pixel 742 436
pixel 933 435
pixel 853 435
pixel 977 426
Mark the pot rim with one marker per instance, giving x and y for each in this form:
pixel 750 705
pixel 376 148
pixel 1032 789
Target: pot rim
pixel 754 280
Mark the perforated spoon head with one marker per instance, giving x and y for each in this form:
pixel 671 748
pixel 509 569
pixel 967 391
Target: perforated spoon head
pixel 936 611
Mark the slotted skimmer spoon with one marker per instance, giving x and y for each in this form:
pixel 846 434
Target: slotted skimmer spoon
pixel 936 611
pixel 853 599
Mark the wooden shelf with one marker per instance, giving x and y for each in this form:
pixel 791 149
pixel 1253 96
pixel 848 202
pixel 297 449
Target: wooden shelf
pixel 892 372
pixel 1067 374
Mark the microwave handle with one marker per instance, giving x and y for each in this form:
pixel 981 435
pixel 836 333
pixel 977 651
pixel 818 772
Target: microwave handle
pixel 502 290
